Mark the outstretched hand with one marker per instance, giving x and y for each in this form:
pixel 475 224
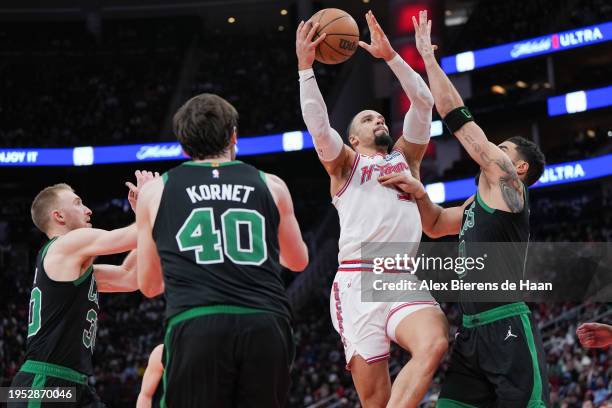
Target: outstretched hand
pixel 305 48
pixel 422 35
pixel 404 181
pixel 142 178
pixel 379 47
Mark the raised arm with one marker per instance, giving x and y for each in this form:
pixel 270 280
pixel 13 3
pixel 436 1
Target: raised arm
pixel 417 122
pixel 92 242
pixel 495 164
pixel 293 249
pixel 117 278
pixel 335 156
pixel 436 220
pixel 149 272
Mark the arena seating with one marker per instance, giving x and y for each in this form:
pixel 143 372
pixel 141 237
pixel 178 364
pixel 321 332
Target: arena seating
pixel 118 88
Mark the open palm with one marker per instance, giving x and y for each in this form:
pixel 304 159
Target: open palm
pixel 422 35
pixel 379 46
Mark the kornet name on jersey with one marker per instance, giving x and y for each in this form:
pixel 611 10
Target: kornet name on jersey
pixel 371 212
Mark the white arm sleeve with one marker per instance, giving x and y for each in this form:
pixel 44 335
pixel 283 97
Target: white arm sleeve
pixel 327 141
pixel 417 122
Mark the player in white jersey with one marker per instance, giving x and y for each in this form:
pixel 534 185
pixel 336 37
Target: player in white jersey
pixel 370 212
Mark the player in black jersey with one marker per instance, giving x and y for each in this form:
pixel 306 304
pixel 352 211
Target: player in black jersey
pixel 219 229
pixel 63 316
pixel 497 359
pixel 151 390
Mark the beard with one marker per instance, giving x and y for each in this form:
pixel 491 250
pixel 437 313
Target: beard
pixel 383 139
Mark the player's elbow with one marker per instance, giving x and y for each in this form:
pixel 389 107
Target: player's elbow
pixel 151 291
pixel 298 260
pixel 149 288
pixel 319 133
pixel 425 98
pixel 433 232
pixel 446 103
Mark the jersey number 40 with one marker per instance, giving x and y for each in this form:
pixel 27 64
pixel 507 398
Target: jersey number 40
pixel 200 234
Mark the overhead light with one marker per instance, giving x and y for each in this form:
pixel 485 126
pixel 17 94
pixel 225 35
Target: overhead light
pixel 281 28
pixel 448 13
pixel 498 89
pixel 231 20
pixel 546 85
pixel 609 133
pixel 591 133
pixel 365 1
pixel 283 12
pixel 521 84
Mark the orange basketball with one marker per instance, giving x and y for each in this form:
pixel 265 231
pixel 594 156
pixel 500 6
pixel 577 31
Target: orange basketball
pixel 342 35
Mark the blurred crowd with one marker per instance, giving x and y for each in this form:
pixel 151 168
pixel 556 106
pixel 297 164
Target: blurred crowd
pixel 62 85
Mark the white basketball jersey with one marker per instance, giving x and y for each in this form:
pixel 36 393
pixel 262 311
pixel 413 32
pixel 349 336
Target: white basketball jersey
pixel 371 212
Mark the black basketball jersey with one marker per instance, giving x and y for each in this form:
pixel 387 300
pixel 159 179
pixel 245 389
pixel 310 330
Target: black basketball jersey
pixel 216 232
pixel 482 224
pixel 63 319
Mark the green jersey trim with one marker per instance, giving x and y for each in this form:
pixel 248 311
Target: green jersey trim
pixel 83 276
pixel 211 164
pixel 38 383
pixel 483 204
pixel 492 210
pixel 165 177
pixel 263 177
pixel 451 403
pixel 207 310
pixel 497 313
pixel 46 248
pixel 535 401
pixel 190 314
pixel 53 370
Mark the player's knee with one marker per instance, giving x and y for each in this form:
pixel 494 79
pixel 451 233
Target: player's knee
pixel 432 351
pixel 439 347
pixel 374 394
pixel 375 399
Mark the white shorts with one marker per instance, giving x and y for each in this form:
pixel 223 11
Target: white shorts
pixel 367 328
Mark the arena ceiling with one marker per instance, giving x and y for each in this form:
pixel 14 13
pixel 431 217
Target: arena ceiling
pixel 248 13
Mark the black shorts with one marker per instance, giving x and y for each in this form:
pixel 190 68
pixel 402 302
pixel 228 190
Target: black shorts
pixel 224 356
pixel 86 397
pixel 497 361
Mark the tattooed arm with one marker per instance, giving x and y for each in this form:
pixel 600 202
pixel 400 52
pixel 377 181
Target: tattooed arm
pixel 500 174
pixel 496 166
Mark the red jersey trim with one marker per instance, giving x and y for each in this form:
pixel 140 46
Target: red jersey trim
pixel 348 181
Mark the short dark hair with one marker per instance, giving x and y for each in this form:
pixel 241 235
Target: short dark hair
pixel 204 125
pixel 531 153
pixel 349 128
pixel 43 202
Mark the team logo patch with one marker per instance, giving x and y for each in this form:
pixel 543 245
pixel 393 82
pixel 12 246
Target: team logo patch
pixel 510 334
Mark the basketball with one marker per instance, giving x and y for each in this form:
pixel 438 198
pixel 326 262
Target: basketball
pixel 342 35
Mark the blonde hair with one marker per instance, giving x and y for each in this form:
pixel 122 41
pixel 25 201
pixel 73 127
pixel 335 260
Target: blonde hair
pixel 43 202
